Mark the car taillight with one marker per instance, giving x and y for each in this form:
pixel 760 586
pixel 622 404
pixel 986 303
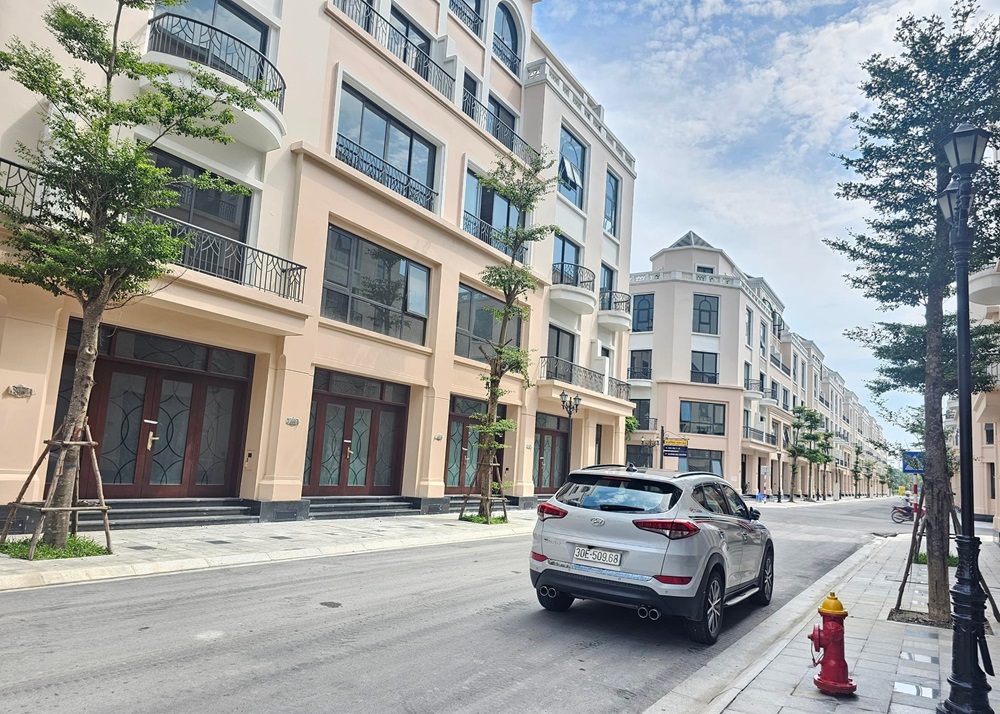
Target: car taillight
pixel 541 558
pixel 674 530
pixel 547 510
pixel 672 579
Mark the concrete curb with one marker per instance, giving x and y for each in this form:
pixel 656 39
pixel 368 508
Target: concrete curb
pixel 714 686
pixel 105 570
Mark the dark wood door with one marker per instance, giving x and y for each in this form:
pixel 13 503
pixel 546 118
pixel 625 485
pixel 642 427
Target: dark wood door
pixel 354 448
pixel 550 466
pixel 165 434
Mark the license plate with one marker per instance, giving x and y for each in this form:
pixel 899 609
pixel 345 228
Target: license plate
pixel 607 558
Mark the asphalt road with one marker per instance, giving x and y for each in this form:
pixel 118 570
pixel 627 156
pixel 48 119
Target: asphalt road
pixel 451 628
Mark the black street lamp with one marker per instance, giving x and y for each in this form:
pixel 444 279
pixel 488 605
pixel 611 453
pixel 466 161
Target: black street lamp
pixel 964 149
pixel 572 406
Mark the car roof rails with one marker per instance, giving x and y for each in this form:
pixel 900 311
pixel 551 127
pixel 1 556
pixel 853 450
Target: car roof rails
pixel 605 466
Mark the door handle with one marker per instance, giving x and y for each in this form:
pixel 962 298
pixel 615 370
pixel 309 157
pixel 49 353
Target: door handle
pixel 349 450
pixel 150 439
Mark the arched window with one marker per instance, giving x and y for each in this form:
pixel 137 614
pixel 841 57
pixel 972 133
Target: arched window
pixel 505 44
pixel 505 28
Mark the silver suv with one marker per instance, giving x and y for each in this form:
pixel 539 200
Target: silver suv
pixel 662 542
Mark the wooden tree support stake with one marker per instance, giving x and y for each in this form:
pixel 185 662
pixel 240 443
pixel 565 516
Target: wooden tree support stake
pixel 77 505
pixel 494 478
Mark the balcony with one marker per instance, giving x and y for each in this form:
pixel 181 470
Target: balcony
pixel 376 168
pixel 984 287
pixel 497 128
pixel 365 16
pixel 640 373
pixel 178 40
pixel 565 371
pixel 753 389
pixel 646 423
pixel 619 389
pixel 228 259
pixel 753 434
pixel 19 187
pixel 482 230
pixel 506 55
pixel 614 311
pixel 469 17
pixel 824 401
pixel 573 288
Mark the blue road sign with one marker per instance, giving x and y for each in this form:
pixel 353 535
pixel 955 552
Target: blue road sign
pixel 913 462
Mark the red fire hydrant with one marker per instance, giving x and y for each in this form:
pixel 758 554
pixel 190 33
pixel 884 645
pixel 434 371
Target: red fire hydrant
pixel 832 677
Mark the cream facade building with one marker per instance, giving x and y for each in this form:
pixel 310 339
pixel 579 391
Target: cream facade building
pixel 713 361
pixel 318 340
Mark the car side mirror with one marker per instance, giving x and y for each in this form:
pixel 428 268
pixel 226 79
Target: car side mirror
pixel 754 514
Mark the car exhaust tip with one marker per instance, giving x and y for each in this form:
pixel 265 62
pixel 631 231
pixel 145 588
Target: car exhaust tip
pixel 546 591
pixel 653 614
pixel 642 612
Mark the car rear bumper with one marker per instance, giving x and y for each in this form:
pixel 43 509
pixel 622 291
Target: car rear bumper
pixel 586 587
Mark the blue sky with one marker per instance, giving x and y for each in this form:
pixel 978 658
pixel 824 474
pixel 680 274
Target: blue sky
pixel 733 109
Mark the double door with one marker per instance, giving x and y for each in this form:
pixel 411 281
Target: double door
pixel 165 434
pixel 354 448
pixel 551 460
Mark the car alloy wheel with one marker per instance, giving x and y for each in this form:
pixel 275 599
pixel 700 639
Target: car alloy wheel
pixel 713 606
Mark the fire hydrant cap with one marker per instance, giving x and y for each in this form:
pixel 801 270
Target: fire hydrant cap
pixel 832 606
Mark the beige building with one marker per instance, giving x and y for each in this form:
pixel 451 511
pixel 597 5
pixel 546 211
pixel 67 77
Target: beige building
pixel 713 361
pixel 318 340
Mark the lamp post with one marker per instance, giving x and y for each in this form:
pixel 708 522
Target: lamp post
pixel 964 148
pixel 572 406
pixel 652 442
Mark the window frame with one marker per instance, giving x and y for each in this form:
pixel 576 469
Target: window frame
pixel 469 332
pixel 560 334
pixel 644 323
pixel 705 377
pixel 612 200
pixel 699 312
pixel 569 173
pixel 645 370
pixel 716 426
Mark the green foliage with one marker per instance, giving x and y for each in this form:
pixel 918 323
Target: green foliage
pixel 921 559
pixel 76 547
pixel 631 424
pixel 476 518
pixel 899 348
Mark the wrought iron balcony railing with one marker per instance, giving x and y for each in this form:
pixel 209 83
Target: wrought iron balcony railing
pixel 771 439
pixel 191 40
pixel 572 274
pixel 640 372
pixel 213 254
pixel 488 234
pixel 365 16
pixel 19 187
pixel 506 55
pixel 615 301
pixel 619 389
pixel 566 371
pixel 753 385
pixel 375 167
pixel 499 129
pixel 468 16
pixel 646 423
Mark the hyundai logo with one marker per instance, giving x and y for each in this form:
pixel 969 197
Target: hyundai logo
pixel 597 521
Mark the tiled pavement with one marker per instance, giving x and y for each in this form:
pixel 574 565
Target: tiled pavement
pixel 164 550
pixel 899 668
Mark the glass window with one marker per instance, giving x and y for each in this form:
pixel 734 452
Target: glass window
pixel 607 278
pixel 784 398
pixel 572 155
pixel 226 214
pixel 711 499
pixel 551 421
pixel 405 27
pixel 703 418
pixel 611 191
pixel 630 495
pixel 748 328
pixel 795 368
pixel 477 326
pixel 736 505
pixel 706 314
pixel 227 17
pixel 565 251
pixel 642 313
pixel 706 460
pixel 364 124
pixel 562 344
pixel 705 367
pixel 505 28
pixel 705 269
pixel 640 364
pixel 747 367
pixel 763 338
pixel 990 436
pixel 641 409
pixel 374 288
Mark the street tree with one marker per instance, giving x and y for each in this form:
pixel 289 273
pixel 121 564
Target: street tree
pixel 856 470
pixel 796 448
pixel 90 237
pixel 522 186
pixel 946 69
pixel 869 475
pixel 825 446
pixel 811 435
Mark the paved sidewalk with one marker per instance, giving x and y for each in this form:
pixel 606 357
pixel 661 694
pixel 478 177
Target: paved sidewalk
pixel 899 668
pixel 802 502
pixel 166 550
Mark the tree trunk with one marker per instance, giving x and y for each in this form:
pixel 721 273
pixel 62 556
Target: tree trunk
pixel 487 453
pixel 57 524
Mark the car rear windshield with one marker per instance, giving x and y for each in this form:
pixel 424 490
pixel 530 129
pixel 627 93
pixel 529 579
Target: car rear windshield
pixel 618 493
